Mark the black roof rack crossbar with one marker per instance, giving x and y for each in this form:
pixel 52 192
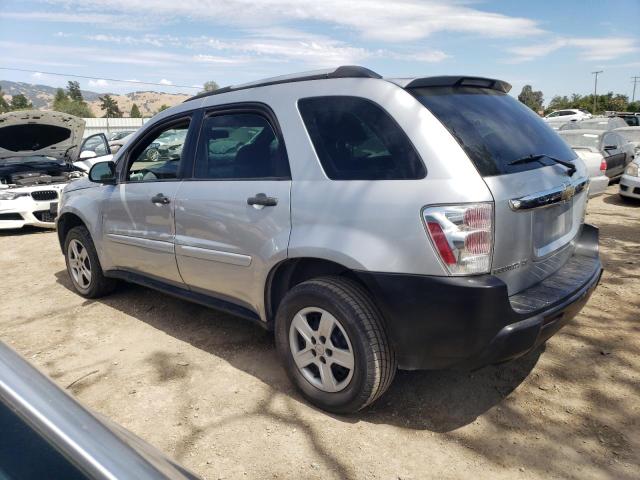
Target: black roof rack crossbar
pixel 460 81
pixel 345 71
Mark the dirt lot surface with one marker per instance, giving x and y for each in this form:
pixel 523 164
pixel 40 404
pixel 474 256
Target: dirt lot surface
pixel 207 389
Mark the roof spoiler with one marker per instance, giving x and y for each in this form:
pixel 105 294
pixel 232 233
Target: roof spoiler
pixel 460 81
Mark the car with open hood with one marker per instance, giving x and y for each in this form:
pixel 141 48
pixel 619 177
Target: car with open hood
pixel 40 152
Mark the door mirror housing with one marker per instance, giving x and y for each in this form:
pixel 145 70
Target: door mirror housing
pixel 103 172
pixel 87 154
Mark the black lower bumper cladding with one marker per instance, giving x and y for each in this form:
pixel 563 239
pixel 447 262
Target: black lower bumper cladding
pixel 469 322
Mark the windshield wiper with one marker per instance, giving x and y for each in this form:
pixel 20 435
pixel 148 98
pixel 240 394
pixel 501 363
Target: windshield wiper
pixel 536 158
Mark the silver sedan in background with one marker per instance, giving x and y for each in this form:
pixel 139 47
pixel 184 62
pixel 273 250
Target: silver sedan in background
pixel 606 154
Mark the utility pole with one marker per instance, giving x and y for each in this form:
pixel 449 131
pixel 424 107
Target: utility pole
pixel 595 91
pixel 635 81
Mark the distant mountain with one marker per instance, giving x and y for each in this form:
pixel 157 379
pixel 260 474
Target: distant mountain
pixel 42 98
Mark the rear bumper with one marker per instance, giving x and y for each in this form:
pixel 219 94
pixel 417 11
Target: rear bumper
pixel 630 186
pixel 469 322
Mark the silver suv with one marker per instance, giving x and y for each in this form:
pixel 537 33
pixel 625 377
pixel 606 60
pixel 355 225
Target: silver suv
pixel 373 224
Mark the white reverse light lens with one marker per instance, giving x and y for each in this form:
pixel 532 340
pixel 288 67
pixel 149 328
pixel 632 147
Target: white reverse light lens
pixel 462 235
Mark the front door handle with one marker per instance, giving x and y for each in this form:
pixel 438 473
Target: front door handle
pixel 160 199
pixel 262 200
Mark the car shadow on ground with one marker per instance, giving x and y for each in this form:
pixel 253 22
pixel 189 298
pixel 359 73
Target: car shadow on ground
pixel 616 199
pixel 438 401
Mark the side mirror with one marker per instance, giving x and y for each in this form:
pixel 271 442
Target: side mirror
pixel 86 154
pixel 103 172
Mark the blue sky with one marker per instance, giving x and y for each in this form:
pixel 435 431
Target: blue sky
pixel 552 45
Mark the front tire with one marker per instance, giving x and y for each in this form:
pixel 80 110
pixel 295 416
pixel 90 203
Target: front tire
pixel 83 265
pixel 331 339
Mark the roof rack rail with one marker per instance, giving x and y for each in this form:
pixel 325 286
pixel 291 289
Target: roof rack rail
pixel 460 81
pixel 344 71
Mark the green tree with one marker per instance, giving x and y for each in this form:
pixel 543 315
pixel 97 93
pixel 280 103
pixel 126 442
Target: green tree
pixel 20 102
pixel 209 86
pixel 110 107
pixel 163 107
pixel 65 103
pixel 60 100
pixel 135 111
pixel 531 99
pixel 4 106
pixel 75 94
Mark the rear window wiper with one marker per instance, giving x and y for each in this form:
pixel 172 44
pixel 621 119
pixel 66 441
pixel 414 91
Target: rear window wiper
pixel 540 156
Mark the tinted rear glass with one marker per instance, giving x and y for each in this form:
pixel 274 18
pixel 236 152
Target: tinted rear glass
pixel 355 139
pixel 493 128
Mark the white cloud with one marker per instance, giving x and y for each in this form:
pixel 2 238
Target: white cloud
pixel 605 48
pixel 164 81
pixel 98 83
pixel 37 75
pixel 400 21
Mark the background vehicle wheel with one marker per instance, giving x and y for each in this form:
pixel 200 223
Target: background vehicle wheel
pixel 153 154
pixel 331 338
pixel 83 265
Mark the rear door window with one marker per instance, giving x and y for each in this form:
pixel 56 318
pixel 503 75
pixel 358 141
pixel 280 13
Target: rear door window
pixel 240 146
pixel 355 139
pixel 493 128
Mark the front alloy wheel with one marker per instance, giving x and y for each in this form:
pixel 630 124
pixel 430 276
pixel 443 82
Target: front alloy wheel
pixel 79 264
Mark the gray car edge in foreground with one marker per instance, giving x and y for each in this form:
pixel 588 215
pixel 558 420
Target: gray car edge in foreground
pixel 349 273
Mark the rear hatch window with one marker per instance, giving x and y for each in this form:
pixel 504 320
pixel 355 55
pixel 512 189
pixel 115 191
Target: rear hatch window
pixel 493 128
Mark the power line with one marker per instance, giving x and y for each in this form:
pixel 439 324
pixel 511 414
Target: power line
pixel 635 81
pixel 137 82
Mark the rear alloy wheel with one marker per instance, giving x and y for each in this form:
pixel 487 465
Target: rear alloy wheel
pixel 84 266
pixel 321 349
pixel 331 338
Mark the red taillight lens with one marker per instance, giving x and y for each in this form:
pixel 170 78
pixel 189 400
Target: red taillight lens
pixel 603 165
pixel 462 236
pixel 441 243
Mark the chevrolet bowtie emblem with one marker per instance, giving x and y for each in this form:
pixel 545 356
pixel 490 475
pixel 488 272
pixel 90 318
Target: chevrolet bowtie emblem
pixel 568 193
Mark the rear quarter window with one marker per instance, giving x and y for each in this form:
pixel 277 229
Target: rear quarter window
pixel 355 139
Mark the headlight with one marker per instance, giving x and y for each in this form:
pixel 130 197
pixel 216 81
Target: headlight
pixel 632 170
pixel 12 195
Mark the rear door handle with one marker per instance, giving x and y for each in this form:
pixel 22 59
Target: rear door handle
pixel 263 200
pixel 160 199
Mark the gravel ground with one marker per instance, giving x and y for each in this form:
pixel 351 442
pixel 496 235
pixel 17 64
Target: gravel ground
pixel 207 389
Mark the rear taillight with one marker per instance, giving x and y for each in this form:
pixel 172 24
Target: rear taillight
pixel 603 165
pixel 462 235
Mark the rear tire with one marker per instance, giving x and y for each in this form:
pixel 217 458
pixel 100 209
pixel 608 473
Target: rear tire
pixel 347 368
pixel 83 265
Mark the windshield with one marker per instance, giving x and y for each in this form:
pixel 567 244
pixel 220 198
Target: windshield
pixel 582 140
pixel 493 128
